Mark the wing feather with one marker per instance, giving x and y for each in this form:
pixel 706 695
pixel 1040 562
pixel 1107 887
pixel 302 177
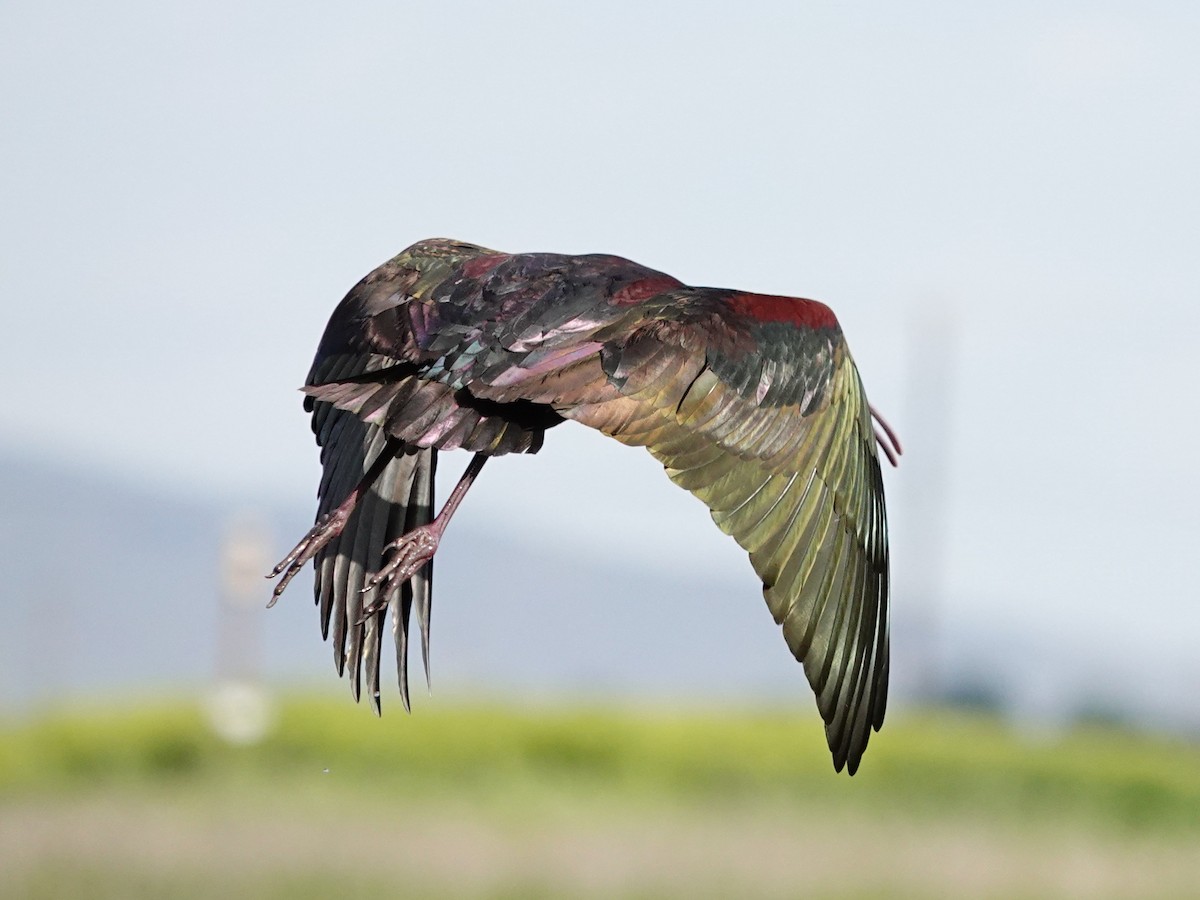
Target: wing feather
pixel 347 418
pixel 769 427
pixel 751 403
pixel 796 483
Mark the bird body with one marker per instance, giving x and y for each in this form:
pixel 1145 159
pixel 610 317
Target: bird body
pixel 751 402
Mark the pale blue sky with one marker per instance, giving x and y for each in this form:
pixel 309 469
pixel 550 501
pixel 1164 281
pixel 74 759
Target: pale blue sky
pixel 186 190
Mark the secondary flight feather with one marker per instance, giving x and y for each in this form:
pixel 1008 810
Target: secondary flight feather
pixel 751 402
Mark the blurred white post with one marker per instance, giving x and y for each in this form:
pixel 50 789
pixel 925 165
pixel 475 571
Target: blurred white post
pixel 932 352
pixel 239 708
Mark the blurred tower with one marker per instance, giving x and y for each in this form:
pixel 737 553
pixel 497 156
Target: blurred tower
pixel 932 350
pixel 239 708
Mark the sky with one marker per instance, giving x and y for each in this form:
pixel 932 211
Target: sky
pixel 1000 202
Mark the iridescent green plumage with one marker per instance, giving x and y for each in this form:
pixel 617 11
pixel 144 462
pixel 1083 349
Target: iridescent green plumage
pixel 750 402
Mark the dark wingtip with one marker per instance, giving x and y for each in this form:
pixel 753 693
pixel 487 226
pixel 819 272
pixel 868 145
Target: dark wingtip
pixel 846 751
pixel 424 609
pixel 403 678
pixel 425 656
pixel 401 606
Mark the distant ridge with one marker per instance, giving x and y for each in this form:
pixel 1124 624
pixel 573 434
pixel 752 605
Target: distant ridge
pixel 111 586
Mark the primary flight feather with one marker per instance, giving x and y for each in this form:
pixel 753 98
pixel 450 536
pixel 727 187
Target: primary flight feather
pixel 751 402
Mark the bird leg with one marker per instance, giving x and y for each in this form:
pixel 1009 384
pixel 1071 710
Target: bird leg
pixel 891 446
pixel 417 547
pixel 328 526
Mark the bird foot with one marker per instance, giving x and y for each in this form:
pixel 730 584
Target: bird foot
pixel 410 552
pixel 887 440
pixel 327 528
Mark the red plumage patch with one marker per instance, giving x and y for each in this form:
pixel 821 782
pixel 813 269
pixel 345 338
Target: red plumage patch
pixel 481 265
pixel 644 289
pixel 796 310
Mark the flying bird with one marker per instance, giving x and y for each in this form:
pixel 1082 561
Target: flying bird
pixel 751 402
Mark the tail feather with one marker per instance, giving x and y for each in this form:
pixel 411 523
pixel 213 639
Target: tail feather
pixel 420 508
pixel 400 499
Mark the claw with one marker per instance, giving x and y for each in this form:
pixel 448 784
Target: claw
pixel 410 552
pixel 329 525
pixel 327 528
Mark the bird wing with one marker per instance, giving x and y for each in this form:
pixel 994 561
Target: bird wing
pixel 755 406
pixel 369 400
pixel 752 403
pixel 400 499
pixel 375 359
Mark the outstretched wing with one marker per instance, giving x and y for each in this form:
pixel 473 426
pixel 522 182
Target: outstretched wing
pixel 400 499
pixel 369 401
pixel 755 406
pixel 803 494
pixel 752 403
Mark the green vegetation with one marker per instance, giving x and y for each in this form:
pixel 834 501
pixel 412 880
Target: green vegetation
pixel 921 765
pixel 561 801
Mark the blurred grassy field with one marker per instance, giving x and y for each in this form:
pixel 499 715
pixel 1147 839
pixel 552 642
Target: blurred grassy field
pixel 494 801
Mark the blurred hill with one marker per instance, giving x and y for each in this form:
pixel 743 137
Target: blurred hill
pixel 112 586
pixel 107 584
